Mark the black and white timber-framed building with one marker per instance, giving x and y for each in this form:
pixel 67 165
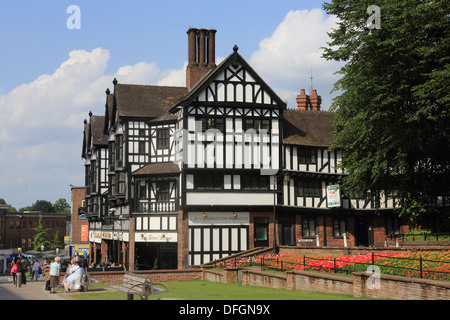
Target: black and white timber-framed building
pixel 179 176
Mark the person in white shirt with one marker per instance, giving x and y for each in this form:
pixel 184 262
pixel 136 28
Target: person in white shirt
pixel 73 280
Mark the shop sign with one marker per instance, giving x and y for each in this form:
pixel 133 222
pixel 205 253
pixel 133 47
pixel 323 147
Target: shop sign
pixel 84 233
pixel 333 196
pixel 218 218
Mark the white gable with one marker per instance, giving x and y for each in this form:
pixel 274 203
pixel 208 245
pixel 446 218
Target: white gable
pixel 235 84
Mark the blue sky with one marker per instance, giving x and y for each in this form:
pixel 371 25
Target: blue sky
pixel 53 76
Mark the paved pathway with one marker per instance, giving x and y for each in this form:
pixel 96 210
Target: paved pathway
pixel 33 290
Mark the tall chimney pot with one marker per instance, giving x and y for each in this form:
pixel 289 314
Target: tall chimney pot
pixel 201 55
pixel 316 101
pixel 303 101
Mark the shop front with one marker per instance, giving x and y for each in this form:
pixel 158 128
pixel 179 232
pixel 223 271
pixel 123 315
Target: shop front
pixel 155 250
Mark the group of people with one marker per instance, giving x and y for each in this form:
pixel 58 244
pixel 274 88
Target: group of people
pixel 74 272
pixel 22 266
pixel 73 276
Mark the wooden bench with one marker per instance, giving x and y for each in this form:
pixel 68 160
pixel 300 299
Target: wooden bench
pixel 135 284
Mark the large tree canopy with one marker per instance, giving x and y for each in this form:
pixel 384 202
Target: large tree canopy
pixel 392 114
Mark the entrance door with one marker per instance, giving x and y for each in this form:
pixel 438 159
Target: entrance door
pixel 167 256
pixel 362 231
pixel 287 235
pixel 261 226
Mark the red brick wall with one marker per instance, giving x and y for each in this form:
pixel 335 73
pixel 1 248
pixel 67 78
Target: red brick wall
pixel 400 288
pixel 76 224
pixel 107 277
pixel 183 234
pixel 391 287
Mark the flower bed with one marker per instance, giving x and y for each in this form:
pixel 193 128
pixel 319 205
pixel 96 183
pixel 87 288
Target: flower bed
pixel 430 265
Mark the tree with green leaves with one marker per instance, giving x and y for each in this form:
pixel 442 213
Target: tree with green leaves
pixel 392 114
pixel 61 206
pixel 43 206
pixel 41 237
pixel 56 242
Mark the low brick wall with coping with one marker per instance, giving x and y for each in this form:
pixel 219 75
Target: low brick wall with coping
pixel 360 284
pixel 107 277
pixel 399 288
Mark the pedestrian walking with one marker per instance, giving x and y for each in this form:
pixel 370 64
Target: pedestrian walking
pixel 23 266
pixel 44 266
pixel 55 271
pixel 35 270
pixel 14 270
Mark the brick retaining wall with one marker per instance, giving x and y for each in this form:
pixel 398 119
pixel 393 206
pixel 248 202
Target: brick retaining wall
pixel 265 279
pixel 314 281
pixel 400 288
pixel 389 287
pixel 358 285
pixel 107 277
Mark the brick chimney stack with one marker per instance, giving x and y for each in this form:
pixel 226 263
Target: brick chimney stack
pixel 306 102
pixel 303 102
pixel 315 101
pixel 201 55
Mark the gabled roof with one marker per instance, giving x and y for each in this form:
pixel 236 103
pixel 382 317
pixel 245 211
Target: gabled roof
pixel 146 101
pixel 165 117
pixel 157 169
pixel 93 134
pixel 98 137
pixel 308 128
pixel 86 135
pixel 234 59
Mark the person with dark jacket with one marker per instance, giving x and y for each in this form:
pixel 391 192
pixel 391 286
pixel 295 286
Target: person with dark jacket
pixel 23 268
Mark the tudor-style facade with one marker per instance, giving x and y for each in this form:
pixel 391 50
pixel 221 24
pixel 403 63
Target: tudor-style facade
pixel 228 151
pixel 95 152
pixel 309 168
pixel 140 201
pixel 200 172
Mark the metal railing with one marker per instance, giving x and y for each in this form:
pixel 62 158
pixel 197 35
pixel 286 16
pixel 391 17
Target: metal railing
pixel 441 271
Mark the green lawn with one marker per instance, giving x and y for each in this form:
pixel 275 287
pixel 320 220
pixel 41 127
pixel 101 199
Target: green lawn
pixel 206 290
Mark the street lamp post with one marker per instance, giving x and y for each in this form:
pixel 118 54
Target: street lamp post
pixel 20 230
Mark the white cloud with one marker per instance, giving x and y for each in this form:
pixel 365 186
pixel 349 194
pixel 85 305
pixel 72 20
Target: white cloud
pixel 52 98
pixel 64 98
pixel 285 59
pixel 42 121
pixel 174 77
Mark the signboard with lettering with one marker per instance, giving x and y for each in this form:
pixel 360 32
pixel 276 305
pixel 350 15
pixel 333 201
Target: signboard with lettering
pixel 84 233
pixel 66 240
pixel 218 218
pixel 333 196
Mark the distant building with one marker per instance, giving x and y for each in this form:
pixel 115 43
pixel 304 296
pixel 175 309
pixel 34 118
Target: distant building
pixel 16 229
